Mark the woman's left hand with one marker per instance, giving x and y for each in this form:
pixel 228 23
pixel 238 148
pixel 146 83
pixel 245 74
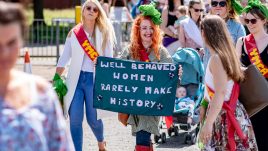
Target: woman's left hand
pixel 206 133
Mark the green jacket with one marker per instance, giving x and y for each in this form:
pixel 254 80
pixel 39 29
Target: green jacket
pixel 146 123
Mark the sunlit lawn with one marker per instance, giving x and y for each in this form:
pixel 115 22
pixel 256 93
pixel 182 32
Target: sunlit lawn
pixel 49 14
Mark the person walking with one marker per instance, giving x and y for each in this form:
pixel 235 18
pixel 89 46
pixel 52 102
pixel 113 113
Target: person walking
pixel 146 45
pixel 85 42
pixel 256 15
pixel 227 125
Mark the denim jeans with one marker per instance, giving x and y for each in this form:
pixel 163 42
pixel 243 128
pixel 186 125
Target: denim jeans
pixel 84 95
pixel 143 138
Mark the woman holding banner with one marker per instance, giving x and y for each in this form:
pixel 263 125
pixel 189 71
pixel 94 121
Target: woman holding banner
pixel 85 42
pixel 255 18
pixel 227 125
pixel 145 45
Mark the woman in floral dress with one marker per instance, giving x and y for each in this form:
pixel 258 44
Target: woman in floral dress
pixel 30 115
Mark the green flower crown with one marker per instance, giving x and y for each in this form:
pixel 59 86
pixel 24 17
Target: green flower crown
pixel 256 4
pixel 152 12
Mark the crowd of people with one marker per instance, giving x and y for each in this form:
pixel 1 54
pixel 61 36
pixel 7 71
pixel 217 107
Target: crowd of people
pixel 227 35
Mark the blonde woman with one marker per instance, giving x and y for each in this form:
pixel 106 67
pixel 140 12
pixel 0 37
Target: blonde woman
pixel 92 38
pixel 227 125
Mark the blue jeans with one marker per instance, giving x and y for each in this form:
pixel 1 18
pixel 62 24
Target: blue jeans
pixel 84 95
pixel 143 138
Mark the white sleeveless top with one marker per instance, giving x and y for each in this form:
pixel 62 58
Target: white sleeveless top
pixel 209 83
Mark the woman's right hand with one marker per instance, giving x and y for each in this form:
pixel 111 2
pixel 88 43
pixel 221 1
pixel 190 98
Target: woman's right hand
pixel 59 70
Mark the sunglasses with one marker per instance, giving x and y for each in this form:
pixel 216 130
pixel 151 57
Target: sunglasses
pixel 94 9
pixel 253 21
pixel 221 3
pixel 198 10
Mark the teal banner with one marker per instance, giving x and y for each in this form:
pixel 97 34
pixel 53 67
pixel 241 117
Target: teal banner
pixel 138 88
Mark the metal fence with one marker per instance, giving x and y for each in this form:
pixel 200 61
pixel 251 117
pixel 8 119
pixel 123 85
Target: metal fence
pixel 46 40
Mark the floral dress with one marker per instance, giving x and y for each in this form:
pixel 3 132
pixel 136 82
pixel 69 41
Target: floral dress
pixel 37 127
pixel 219 140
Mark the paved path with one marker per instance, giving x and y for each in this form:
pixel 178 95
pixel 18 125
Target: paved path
pixel 117 136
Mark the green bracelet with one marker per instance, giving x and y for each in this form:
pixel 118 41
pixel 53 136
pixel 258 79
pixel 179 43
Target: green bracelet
pixel 204 103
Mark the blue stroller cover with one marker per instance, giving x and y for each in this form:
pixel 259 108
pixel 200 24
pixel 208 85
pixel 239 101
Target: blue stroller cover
pixel 193 70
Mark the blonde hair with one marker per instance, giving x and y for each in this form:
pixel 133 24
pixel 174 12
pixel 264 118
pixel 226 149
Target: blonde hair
pixel 103 23
pixel 217 37
pixel 230 11
pixel 182 9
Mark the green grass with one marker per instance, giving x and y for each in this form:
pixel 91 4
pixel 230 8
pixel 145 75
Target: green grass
pixel 49 14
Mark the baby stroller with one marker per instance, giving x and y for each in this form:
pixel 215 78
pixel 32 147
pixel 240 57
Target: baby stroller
pixel 192 80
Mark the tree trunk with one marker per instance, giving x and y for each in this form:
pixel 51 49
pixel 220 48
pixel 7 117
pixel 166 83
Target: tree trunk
pixel 38 7
pixel 77 2
pixel 38 22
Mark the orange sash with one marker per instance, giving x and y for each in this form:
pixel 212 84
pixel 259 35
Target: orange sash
pixel 254 55
pixel 232 124
pixel 84 42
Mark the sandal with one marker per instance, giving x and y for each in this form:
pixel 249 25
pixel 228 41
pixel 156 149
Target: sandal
pixel 104 146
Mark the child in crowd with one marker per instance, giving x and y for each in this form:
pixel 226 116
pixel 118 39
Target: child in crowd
pixel 183 102
pixel 181 14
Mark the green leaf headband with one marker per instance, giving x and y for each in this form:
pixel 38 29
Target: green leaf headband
pixel 237 7
pixel 256 4
pixel 152 12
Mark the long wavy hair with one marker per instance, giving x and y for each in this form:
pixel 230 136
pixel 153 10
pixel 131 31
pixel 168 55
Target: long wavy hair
pixel 217 37
pixel 103 23
pixel 136 42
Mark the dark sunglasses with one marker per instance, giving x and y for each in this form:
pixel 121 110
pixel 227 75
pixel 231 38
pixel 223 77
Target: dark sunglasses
pixel 221 3
pixel 198 10
pixel 94 9
pixel 253 21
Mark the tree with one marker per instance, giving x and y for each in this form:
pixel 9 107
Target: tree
pixel 38 8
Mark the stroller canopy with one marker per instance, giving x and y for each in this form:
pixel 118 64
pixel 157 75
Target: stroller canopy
pixel 193 70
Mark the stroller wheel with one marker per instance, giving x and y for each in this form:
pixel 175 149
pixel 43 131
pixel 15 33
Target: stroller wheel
pixel 176 130
pixel 188 139
pixel 193 138
pixel 197 129
pixel 170 130
pixel 156 138
pixel 163 138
